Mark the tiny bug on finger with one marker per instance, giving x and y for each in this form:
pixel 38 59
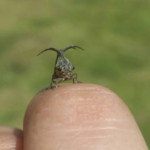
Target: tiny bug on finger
pixel 63 67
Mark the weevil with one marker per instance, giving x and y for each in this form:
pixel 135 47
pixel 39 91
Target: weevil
pixel 63 67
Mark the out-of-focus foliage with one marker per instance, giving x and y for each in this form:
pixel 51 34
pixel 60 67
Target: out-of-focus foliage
pixel 115 35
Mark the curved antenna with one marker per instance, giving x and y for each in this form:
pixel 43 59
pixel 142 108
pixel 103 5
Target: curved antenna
pixel 51 48
pixel 69 47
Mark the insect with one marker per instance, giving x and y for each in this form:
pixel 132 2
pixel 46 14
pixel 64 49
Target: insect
pixel 63 68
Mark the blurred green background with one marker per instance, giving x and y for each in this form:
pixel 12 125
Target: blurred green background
pixel 115 35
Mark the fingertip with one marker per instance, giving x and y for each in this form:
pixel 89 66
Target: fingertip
pixel 80 116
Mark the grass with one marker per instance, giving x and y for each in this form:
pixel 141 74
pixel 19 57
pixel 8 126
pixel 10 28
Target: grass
pixel 115 36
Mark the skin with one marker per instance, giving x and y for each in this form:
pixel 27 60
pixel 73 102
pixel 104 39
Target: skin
pixel 75 117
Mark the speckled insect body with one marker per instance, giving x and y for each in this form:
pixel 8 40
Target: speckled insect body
pixel 63 68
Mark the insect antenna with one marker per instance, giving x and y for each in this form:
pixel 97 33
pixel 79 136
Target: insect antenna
pixel 73 47
pixel 51 48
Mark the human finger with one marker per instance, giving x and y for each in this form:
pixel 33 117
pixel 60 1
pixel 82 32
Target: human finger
pixel 80 117
pixel 11 139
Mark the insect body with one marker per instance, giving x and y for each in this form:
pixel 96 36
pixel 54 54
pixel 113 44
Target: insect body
pixel 63 68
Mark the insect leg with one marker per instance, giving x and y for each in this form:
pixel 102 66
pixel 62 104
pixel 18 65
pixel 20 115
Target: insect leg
pixel 55 82
pixel 74 77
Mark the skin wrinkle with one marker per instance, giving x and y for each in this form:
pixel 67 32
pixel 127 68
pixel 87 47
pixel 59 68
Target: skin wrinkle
pixel 77 135
pixel 85 91
pixel 76 144
pixel 85 144
pixel 80 130
pixel 6 146
pixel 115 120
pixel 96 92
pixel 96 137
pixel 92 88
pixel 88 145
pixel 72 99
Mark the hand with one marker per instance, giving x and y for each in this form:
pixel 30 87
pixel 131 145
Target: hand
pixel 75 117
